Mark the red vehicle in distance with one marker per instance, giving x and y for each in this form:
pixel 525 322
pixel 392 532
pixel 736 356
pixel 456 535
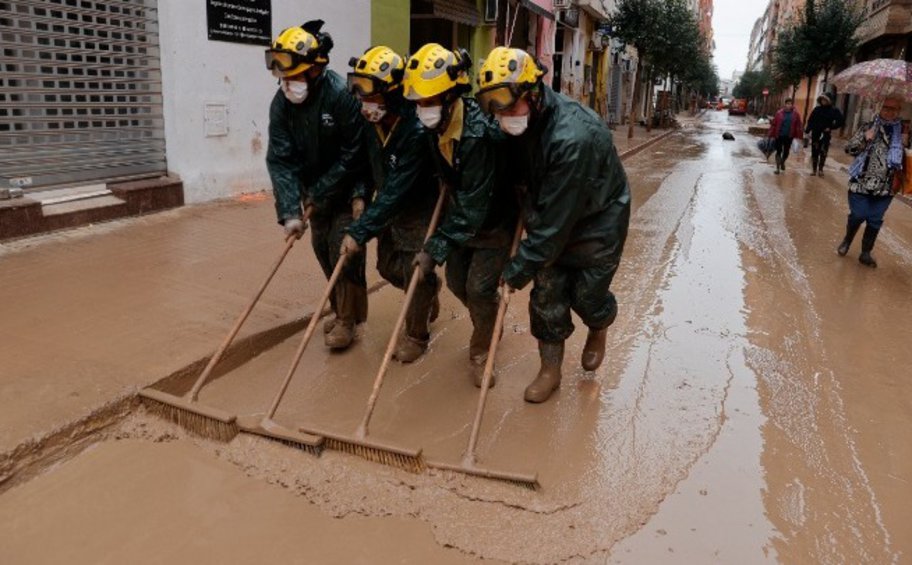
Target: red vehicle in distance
pixel 738 107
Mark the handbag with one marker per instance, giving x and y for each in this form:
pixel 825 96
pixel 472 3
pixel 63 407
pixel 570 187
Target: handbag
pixel 902 180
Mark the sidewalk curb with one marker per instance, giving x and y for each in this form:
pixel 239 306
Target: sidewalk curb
pixel 652 141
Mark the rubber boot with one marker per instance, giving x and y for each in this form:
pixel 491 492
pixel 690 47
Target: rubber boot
pixel 867 245
pixel 851 230
pixel 549 376
pixel 594 350
pixel 414 342
pixel 814 164
pixel 483 318
pixel 348 300
pixel 778 164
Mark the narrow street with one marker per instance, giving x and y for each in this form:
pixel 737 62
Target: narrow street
pixel 755 405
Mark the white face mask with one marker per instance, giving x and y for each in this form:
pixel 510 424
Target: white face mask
pixel 372 111
pixel 513 125
pixel 295 90
pixel 430 116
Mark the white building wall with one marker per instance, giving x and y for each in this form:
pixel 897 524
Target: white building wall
pixel 197 73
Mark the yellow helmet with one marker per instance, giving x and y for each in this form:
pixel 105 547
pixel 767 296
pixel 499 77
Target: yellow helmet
pixel 378 71
pixel 298 48
pixel 434 70
pixel 506 75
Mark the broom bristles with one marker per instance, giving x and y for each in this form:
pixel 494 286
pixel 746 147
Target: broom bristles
pixel 193 422
pixel 410 463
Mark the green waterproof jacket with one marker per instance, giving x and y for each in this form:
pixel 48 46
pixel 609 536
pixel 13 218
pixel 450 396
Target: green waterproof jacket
pixel 315 148
pixel 401 175
pixel 577 205
pixel 482 208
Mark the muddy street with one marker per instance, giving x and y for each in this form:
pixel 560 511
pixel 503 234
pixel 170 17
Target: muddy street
pixel 754 406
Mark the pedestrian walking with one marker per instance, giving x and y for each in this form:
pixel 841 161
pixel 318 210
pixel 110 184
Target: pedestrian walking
pixel 576 209
pixel 878 148
pixel 473 240
pixel 401 173
pixel 785 127
pixel 314 161
pixel 823 120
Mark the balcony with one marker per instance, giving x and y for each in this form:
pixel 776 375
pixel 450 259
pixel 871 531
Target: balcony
pixel 886 17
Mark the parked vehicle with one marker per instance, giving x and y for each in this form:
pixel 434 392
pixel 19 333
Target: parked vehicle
pixel 738 107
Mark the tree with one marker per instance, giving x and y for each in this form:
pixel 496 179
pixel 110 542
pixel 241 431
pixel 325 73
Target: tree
pixel 833 33
pixel 792 59
pixel 637 23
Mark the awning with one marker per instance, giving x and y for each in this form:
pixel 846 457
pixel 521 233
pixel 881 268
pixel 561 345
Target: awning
pixel 540 7
pixel 459 11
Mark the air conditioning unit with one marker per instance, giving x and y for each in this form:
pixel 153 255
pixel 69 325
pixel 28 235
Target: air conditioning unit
pixel 562 4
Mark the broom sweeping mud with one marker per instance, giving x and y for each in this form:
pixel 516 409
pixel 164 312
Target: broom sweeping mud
pixel 469 464
pixel 267 426
pixel 186 411
pixel 359 443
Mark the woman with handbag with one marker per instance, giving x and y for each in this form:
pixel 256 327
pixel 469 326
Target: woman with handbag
pixel 873 176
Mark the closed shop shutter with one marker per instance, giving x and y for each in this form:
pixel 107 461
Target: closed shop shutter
pixel 80 92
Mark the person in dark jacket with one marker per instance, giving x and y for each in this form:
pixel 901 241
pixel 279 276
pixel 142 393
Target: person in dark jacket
pixel 785 127
pixel 474 237
pixel 401 171
pixel 576 209
pixel 314 161
pixel 822 121
pixel 878 150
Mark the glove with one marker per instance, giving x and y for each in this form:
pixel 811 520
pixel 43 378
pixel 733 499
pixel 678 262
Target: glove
pixel 349 246
pixel 357 208
pixel 295 227
pixel 425 264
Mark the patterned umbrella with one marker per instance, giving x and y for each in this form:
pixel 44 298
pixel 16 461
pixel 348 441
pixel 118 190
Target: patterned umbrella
pixel 877 79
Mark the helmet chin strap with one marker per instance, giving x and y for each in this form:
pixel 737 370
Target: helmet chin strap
pixel 447 110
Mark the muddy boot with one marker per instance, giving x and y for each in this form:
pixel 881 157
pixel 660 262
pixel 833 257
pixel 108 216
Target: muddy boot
pixel 867 245
pixel 483 319
pixel 342 333
pixel 549 376
pixel 328 325
pixel 594 350
pixel 851 230
pixel 414 342
pixel 410 348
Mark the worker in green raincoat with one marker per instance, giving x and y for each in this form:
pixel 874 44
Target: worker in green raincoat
pixel 576 209
pixel 401 170
pixel 474 237
pixel 315 160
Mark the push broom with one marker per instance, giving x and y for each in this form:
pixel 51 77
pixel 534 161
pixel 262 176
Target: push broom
pixel 469 464
pixel 186 411
pixel 267 426
pixel 360 443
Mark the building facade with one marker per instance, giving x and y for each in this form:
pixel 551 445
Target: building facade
pixel 104 96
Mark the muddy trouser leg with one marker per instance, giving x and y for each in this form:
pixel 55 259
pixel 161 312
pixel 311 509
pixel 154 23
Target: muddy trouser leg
pixel 483 299
pixel 549 305
pixel 351 291
pixel 394 262
pixel 591 298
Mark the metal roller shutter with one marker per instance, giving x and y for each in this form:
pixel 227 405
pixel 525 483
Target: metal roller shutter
pixel 80 91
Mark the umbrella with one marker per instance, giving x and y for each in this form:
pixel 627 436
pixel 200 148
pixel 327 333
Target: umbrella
pixel 877 79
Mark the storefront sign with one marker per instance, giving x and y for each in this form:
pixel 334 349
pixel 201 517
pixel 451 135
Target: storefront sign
pixel 240 21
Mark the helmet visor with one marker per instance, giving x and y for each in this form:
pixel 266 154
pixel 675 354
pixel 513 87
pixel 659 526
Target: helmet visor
pixel 362 85
pixel 284 61
pixel 497 98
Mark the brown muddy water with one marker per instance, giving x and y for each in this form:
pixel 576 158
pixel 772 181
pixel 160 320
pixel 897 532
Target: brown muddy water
pixel 754 407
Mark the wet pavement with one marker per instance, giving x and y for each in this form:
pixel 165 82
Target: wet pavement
pixel 754 405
